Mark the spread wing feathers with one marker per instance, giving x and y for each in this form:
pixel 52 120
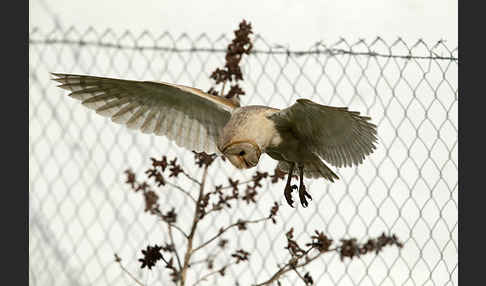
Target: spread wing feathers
pixel 188 116
pixel 339 136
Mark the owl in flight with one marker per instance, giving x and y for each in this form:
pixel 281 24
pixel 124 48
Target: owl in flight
pixel 300 137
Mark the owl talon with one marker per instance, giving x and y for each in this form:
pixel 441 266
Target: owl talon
pixel 302 192
pixel 302 195
pixel 288 188
pixel 288 195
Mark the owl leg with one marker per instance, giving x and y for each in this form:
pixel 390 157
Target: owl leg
pixel 288 187
pixel 302 192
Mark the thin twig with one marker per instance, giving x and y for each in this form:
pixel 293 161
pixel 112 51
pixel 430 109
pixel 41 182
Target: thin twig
pixel 182 190
pixel 180 230
pixel 171 237
pixel 191 178
pixel 288 267
pixel 222 89
pixel 212 273
pixel 213 209
pixel 225 229
pixel 211 256
pixel 228 187
pixel 300 275
pixel 173 225
pixel 239 183
pixel 118 260
pixel 199 262
pixel 165 261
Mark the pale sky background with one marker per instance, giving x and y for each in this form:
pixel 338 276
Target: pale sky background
pixel 81 212
pixel 298 24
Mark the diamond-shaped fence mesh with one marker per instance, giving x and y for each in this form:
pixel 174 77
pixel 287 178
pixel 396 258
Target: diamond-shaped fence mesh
pixel 81 212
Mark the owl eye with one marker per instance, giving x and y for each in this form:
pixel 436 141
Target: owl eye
pixel 242 153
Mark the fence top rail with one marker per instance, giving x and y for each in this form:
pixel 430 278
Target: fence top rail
pixel 146 40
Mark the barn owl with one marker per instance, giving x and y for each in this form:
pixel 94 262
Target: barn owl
pixel 301 136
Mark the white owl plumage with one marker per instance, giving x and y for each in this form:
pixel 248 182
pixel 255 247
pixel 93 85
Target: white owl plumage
pixel 301 135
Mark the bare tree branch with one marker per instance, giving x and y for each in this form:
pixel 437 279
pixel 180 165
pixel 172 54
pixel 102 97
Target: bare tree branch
pixel 195 221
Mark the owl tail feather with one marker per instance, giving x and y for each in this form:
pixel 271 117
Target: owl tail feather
pixel 318 169
pixel 312 169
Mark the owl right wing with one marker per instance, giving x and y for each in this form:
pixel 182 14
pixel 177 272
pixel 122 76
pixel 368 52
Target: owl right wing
pixel 337 135
pixel 186 115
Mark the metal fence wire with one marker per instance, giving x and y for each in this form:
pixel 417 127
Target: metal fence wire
pixel 81 212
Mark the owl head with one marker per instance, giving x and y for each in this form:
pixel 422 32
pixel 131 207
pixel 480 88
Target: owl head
pixel 242 154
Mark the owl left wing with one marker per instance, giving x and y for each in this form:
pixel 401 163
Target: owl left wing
pixel 338 136
pixel 186 115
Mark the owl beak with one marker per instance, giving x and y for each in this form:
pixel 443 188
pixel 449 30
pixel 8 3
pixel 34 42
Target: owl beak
pixel 238 161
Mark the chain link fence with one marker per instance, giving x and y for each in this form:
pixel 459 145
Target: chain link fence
pixel 81 212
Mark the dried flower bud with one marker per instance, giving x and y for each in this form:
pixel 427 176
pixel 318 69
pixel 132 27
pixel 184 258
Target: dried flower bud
pixel 235 90
pixel 258 177
pixel 160 163
pixel 219 75
pixel 292 245
pixel 349 248
pixel 308 279
pixel 273 212
pixel 210 263
pixel 240 255
pixel 151 199
pixel 277 175
pixel 175 171
pixel 241 224
pixel 131 179
pixel 158 178
pixel 150 256
pixel 170 216
pixel 213 91
pixel 222 243
pixel 250 195
pixel 234 184
pixel 142 187
pixel 222 271
pixel 204 159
